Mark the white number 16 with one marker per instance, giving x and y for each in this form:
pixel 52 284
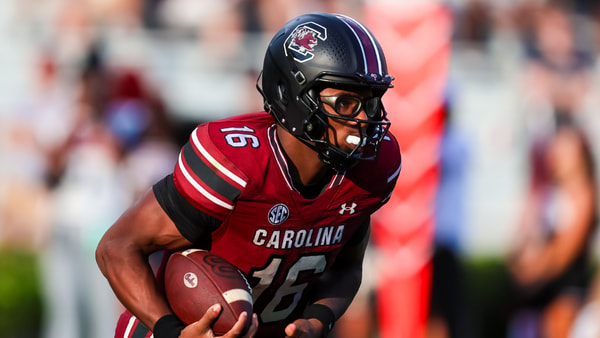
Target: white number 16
pixel 237 137
pixel 307 263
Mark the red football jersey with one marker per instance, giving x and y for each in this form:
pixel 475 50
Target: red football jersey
pixel 235 170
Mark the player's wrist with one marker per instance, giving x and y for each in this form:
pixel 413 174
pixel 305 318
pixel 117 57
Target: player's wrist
pixel 168 326
pixel 323 314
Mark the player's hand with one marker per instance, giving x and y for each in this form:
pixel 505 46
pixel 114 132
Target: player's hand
pixel 202 328
pixel 304 328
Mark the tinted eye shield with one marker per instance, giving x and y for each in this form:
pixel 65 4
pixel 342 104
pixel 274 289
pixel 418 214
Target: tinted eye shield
pixel 349 106
pixel 371 130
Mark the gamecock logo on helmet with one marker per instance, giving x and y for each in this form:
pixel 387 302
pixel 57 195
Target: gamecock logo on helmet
pixel 303 39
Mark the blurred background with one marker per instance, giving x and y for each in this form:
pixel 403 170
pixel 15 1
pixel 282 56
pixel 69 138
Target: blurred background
pixel 97 97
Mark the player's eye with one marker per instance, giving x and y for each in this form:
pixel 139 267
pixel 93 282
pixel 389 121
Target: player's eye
pixel 347 105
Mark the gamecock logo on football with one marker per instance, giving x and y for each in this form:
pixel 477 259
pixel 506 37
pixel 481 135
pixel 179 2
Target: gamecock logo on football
pixel 303 39
pixel 190 280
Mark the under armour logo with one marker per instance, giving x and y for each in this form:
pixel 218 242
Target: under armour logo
pixel 350 209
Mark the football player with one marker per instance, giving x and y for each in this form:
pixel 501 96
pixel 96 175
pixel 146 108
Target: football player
pixel 285 195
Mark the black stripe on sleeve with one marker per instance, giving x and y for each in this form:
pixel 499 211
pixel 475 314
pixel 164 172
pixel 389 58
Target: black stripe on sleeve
pixel 208 176
pixel 140 330
pixel 194 224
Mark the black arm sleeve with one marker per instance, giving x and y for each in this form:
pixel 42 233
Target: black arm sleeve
pixel 360 234
pixel 191 222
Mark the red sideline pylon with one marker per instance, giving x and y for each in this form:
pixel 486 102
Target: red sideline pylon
pixel 416 39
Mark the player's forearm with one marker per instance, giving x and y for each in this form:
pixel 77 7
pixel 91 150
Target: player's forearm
pixel 337 289
pixel 335 293
pixel 122 256
pixel 338 286
pixel 132 281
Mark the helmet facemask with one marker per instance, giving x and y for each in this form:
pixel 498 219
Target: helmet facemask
pixel 321 135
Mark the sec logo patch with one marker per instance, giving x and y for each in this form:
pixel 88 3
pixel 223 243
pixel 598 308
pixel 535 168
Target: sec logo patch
pixel 278 214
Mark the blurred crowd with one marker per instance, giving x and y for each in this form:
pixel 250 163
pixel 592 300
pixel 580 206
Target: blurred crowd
pixel 100 95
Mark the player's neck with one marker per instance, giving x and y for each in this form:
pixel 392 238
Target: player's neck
pixel 306 161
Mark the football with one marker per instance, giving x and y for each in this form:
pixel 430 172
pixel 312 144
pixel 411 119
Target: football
pixel 197 279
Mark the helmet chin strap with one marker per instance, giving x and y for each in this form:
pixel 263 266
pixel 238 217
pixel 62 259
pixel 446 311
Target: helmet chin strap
pixel 331 155
pixel 337 161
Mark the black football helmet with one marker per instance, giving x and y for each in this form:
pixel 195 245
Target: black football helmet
pixel 316 51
